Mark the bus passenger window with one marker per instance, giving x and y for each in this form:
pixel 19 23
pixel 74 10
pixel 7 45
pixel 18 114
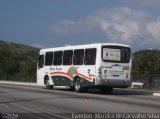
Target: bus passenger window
pixel 90 56
pixel 40 61
pixel 57 58
pixel 67 57
pixel 78 57
pixel 48 58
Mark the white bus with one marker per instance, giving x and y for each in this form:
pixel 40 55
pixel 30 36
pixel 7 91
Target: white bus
pixel 104 66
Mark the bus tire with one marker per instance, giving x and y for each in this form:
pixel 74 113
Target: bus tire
pixel 77 85
pixel 106 90
pixel 71 88
pixel 48 86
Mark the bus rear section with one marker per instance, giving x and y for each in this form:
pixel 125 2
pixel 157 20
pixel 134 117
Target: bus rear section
pixel 115 68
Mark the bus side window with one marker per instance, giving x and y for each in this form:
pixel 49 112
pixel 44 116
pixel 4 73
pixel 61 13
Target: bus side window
pixel 78 57
pixel 90 56
pixel 57 58
pixel 48 58
pixel 67 57
pixel 40 61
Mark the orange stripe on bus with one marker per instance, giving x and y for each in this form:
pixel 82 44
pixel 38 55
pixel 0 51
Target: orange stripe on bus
pixel 89 78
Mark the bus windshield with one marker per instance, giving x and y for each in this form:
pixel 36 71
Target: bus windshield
pixel 117 54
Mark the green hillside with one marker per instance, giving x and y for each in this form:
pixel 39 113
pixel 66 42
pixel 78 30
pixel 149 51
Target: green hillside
pixel 146 67
pixel 17 61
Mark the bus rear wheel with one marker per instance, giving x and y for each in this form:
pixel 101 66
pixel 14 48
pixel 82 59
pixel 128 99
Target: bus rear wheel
pixel 48 85
pixel 77 85
pixel 71 88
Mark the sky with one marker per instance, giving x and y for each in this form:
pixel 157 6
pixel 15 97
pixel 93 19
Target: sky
pixel 54 23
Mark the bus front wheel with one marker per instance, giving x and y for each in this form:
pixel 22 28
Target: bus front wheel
pixel 48 85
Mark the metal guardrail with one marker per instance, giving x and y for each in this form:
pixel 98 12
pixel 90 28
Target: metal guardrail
pixel 137 85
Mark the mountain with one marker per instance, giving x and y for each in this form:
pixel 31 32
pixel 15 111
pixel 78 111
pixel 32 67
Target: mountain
pixel 19 48
pixel 146 51
pixel 18 61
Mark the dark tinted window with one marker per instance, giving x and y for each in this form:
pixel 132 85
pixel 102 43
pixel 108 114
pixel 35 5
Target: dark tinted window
pixel 90 56
pixel 40 61
pixel 126 54
pixel 48 58
pixel 67 57
pixel 78 57
pixel 57 58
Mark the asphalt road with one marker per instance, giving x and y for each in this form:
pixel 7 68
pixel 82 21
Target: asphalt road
pixel 39 103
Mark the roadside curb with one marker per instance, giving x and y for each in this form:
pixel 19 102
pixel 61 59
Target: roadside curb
pixel 156 94
pixel 27 84
pixel 19 83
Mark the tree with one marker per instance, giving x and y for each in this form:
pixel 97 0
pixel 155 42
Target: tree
pixel 17 62
pixel 31 68
pixel 146 67
pixel 9 63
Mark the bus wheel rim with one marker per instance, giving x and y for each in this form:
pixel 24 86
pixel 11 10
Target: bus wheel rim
pixel 78 85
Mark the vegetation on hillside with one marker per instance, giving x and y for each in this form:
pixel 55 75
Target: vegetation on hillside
pixel 146 66
pixel 18 62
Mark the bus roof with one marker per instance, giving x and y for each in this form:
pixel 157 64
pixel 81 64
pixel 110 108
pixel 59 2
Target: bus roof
pixel 93 45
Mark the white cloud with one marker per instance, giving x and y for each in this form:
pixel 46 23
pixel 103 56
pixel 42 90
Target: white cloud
pixel 37 45
pixel 154 28
pixel 120 25
pixel 155 3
